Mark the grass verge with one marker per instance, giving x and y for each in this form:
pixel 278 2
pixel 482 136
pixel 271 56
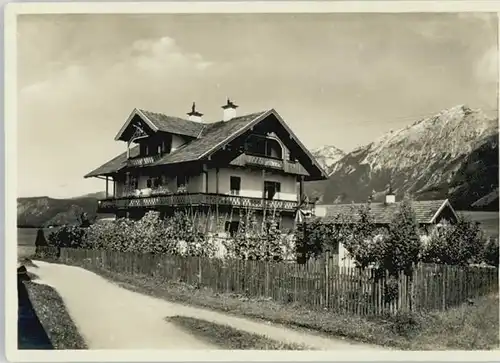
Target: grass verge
pixel 229 338
pixel 53 316
pixel 467 327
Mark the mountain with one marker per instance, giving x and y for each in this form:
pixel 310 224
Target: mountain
pixel 45 211
pixel 96 195
pixel 327 156
pixel 453 154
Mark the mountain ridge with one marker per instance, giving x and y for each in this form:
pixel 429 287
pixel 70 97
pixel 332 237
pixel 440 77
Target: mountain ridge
pixel 45 211
pixel 434 157
pixel 327 156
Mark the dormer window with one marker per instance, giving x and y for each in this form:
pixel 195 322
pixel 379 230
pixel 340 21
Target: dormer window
pixel 263 146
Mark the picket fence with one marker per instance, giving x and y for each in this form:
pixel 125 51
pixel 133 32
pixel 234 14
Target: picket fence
pixel 318 284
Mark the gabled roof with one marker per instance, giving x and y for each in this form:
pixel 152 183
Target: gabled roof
pixel 210 137
pixel 114 165
pixel 160 122
pixel 426 211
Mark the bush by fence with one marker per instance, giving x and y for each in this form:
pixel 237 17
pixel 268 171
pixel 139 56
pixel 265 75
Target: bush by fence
pixel 316 284
pixel 181 234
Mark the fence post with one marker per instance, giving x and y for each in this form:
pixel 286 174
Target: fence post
pixel 266 263
pixel 443 269
pixel 199 270
pixel 327 292
pixel 414 282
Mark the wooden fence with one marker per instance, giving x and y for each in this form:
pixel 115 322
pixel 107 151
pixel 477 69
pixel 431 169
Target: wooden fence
pixel 318 284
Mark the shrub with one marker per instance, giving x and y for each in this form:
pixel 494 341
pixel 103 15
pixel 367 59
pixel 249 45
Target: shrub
pixel 67 236
pixel 362 239
pixel 113 235
pixel 401 248
pixel 259 242
pixel 459 244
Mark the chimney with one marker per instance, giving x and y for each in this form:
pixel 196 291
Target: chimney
pixel 229 110
pixel 195 115
pixel 390 197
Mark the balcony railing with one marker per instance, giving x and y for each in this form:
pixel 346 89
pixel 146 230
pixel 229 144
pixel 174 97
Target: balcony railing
pixel 196 199
pixel 270 163
pixel 144 160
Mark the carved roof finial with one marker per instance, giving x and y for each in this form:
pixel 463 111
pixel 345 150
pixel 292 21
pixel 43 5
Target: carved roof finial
pixel 229 104
pixel 193 111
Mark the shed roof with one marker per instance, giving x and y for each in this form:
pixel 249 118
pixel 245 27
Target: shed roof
pixel 426 211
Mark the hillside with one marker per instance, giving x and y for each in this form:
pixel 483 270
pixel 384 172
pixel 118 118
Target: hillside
pixel 45 211
pixel 453 154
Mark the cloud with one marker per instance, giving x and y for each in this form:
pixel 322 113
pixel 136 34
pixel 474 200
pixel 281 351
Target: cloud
pixel 486 68
pixel 162 55
pixel 144 59
pixel 91 96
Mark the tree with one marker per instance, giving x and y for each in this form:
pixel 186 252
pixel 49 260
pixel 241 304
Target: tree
pixel 40 240
pixel 361 238
pixel 83 220
pixel 459 244
pixel 401 247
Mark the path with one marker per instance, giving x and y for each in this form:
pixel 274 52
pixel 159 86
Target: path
pixel 111 317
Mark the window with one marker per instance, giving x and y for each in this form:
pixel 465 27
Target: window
pixel 235 185
pixel 149 183
pixel 260 145
pixel 132 182
pixel 182 180
pixel 157 182
pixel 232 227
pixel 270 189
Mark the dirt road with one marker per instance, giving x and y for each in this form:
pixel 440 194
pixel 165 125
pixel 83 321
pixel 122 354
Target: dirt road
pixel 110 317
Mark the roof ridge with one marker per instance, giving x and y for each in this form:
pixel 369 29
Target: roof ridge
pixel 205 123
pixel 382 202
pixel 164 114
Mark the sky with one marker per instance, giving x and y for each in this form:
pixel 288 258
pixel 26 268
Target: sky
pixel 336 79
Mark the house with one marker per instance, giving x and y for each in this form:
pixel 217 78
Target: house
pixel 248 162
pixel 428 213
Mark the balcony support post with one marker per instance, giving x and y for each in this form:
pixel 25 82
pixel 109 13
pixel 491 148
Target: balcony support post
pixel 107 187
pixel 263 183
pixel 217 192
pixel 301 189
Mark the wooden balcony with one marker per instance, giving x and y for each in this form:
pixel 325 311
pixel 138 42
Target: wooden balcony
pixel 196 199
pixel 143 161
pixel 269 163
